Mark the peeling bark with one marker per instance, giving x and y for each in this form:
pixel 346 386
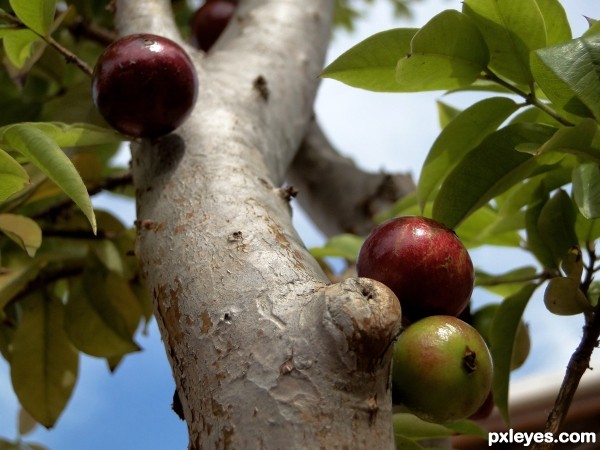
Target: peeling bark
pixel 265 354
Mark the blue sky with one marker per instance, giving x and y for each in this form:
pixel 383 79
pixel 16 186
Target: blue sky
pixel 130 409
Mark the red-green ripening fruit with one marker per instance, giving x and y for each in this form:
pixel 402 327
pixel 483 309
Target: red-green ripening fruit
pixel 209 21
pixel 423 262
pixel 144 85
pixel 442 369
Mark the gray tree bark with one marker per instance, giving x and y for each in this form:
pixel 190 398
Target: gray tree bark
pixel 265 353
pixel 350 198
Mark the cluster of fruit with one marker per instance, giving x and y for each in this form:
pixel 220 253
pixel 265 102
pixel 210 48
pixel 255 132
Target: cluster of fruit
pixel 145 85
pixel 442 368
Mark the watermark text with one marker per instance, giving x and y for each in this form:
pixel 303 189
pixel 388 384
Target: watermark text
pixel 530 438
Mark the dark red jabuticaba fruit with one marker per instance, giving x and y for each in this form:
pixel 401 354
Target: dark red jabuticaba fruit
pixel 144 85
pixel 422 262
pixel 209 21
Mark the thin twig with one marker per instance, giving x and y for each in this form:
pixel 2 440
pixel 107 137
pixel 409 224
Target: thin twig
pixel 82 28
pixel 110 183
pixel 517 279
pixel 50 275
pixel 530 98
pixel 79 234
pixel 578 364
pixel 70 57
pixel 589 273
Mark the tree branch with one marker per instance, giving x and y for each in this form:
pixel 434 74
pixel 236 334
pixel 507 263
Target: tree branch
pixel 339 196
pixel 264 353
pixel 579 362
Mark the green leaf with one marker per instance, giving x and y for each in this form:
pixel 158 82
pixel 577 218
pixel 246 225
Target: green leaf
pixel 447 53
pixel 26 423
pixel 460 136
pixel 587 230
pixel 486 227
pixel 446 113
pixel 8 445
pixel 6 334
pixel 556 225
pixel 404 443
pixel 508 283
pixel 534 115
pixel 410 426
pixel 35 14
pixel 22 230
pixel 594 293
pixel 586 190
pixel 14 279
pixel 582 140
pixel 511 29
pixel 569 74
pixel 42 151
pixel 535 243
pixel 18 45
pixel 44 364
pixel 62 250
pixel 371 64
pixel 526 193
pixel 504 329
pixel 36 446
pixel 468 427
pixel 102 314
pixel 488 170
pixel 344 245
pixel 556 22
pixel 75 135
pixel 112 259
pixel 593 29
pixel 12 176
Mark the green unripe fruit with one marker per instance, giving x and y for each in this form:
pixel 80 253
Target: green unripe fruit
pixel 442 369
pixel 564 298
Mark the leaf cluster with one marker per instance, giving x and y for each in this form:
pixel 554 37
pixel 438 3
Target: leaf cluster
pixel 69 282
pixel 517 168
